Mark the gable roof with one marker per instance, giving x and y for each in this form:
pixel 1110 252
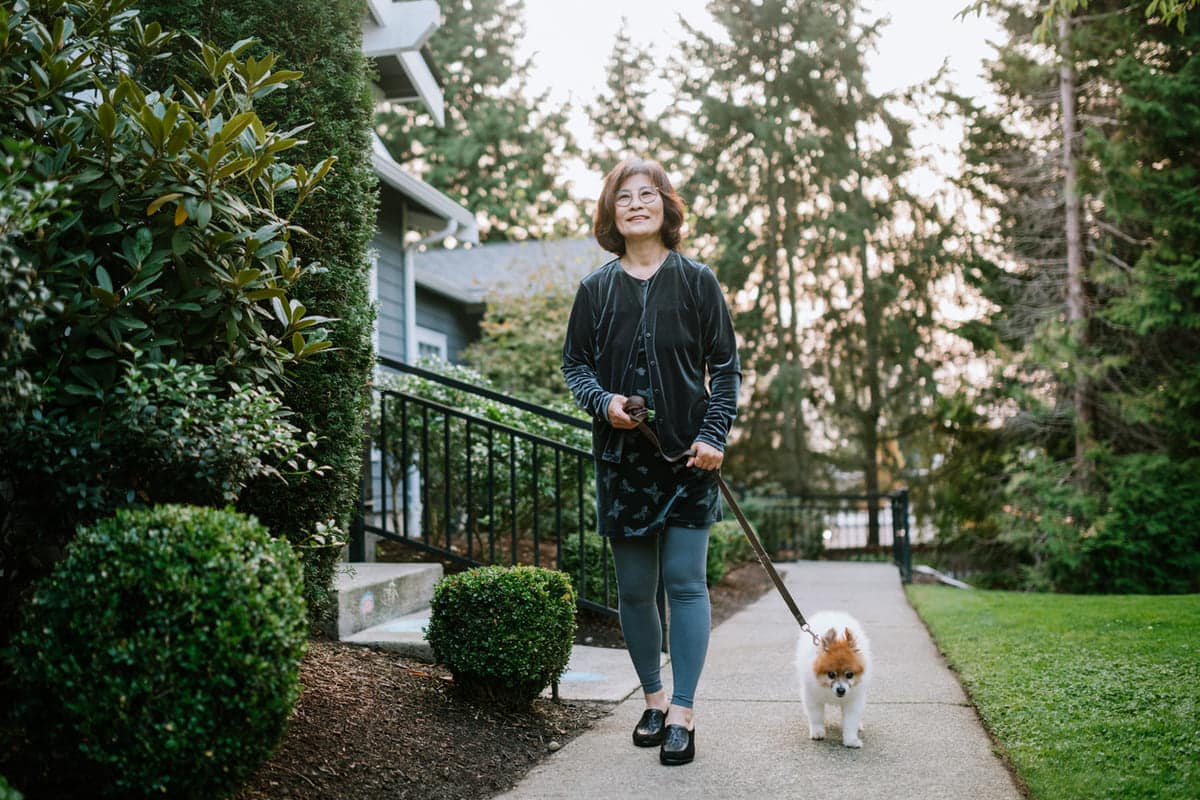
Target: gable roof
pixel 394 36
pixel 467 274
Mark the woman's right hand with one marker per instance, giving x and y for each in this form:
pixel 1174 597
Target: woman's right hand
pixel 616 413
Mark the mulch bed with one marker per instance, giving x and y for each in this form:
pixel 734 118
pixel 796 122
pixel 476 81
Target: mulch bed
pixel 373 724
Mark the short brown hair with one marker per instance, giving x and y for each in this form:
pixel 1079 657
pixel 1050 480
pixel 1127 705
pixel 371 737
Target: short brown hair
pixel 605 226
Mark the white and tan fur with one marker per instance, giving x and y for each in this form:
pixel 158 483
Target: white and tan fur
pixel 835 673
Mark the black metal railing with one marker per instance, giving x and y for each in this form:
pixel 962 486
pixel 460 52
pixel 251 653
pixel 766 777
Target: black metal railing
pixel 830 525
pixel 475 490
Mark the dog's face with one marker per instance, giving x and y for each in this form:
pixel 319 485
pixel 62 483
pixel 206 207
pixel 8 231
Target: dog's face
pixel 839 665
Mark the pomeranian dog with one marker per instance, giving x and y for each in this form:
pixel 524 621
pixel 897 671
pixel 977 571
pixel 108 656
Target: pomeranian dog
pixel 835 673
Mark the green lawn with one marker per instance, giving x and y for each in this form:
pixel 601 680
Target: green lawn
pixel 1091 697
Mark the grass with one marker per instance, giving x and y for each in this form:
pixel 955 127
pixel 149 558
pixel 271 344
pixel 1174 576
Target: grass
pixel 1090 697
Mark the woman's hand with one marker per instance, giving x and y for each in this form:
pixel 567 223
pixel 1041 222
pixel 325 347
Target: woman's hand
pixel 705 456
pixel 617 416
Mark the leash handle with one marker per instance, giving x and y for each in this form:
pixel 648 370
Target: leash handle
pixel 635 407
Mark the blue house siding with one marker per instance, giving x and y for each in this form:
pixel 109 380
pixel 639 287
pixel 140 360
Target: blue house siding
pixel 388 245
pixel 438 313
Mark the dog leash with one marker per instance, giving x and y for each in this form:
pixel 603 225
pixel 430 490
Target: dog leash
pixel 635 408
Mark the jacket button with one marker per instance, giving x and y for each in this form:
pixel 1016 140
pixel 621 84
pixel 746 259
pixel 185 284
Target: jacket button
pixel 647 334
pixel 652 363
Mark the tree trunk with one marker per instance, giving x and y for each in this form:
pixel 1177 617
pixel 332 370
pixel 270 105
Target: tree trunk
pixel 871 368
pixel 1077 311
pixel 870 376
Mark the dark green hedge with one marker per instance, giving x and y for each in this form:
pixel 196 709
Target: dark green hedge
pixel 322 39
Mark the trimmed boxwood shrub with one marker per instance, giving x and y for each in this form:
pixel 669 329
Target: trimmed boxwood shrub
pixel 167 646
pixel 7 792
pixel 505 633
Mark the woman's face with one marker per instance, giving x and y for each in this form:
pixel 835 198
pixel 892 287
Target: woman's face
pixel 642 218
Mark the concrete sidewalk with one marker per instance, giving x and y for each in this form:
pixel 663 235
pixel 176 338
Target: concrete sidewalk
pixel 922 740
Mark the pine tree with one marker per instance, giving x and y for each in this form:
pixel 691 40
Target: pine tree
pixel 625 126
pixel 501 153
pixel 795 176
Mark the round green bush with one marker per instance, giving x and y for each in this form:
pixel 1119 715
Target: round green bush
pixel 167 646
pixel 505 633
pixel 7 792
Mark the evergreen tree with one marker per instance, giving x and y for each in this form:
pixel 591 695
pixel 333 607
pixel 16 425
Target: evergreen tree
pixel 625 126
pixel 1150 272
pixel 1166 11
pixel 501 153
pixel 795 180
pixel 1135 349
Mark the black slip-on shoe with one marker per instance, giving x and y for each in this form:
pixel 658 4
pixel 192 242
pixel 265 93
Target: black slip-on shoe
pixel 678 747
pixel 650 728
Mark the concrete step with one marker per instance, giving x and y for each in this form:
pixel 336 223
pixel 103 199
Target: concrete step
pixel 369 594
pixel 402 634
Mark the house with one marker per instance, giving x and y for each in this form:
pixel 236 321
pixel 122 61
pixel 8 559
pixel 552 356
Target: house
pixel 412 214
pixel 452 285
pixel 430 299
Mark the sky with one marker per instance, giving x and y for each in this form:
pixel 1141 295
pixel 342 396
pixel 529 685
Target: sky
pixel 570 42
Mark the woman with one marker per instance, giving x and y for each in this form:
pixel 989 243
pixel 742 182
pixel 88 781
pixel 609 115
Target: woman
pixel 651 322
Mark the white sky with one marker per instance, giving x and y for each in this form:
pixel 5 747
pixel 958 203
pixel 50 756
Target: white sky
pixel 571 40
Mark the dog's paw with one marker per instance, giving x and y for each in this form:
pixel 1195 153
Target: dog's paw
pixel 816 731
pixel 855 742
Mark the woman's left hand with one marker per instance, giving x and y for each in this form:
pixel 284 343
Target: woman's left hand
pixel 705 456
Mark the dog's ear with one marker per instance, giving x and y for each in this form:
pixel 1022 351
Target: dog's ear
pixel 850 639
pixel 829 638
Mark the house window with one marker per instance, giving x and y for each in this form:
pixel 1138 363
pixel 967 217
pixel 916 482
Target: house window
pixel 431 344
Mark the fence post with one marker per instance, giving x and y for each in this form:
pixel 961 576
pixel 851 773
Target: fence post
pixel 901 545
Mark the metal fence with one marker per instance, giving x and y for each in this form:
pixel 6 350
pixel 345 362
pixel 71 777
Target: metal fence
pixel 475 491
pixel 834 525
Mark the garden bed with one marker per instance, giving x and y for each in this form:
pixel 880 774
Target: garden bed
pixel 373 724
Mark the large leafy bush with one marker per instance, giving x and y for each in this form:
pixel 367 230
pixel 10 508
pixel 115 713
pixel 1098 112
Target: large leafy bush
pixel 165 432
pixel 329 396
pixel 166 646
pixel 504 633
pixel 727 547
pixel 143 225
pixel 1148 540
pixel 590 564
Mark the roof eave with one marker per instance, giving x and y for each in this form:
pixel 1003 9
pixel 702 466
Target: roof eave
pixel 425 196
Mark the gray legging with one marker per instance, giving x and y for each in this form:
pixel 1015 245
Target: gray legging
pixel 684 559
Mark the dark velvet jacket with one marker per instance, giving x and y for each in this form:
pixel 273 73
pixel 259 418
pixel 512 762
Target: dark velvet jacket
pixel 687 329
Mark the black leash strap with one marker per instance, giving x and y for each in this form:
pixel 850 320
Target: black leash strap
pixel 635 407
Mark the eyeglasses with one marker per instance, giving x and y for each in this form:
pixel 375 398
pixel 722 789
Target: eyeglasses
pixel 646 195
